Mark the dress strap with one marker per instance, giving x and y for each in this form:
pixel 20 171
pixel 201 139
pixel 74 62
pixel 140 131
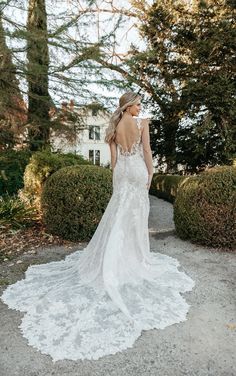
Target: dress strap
pixel 138 122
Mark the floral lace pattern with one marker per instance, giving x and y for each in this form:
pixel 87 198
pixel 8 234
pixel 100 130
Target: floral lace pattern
pixel 98 300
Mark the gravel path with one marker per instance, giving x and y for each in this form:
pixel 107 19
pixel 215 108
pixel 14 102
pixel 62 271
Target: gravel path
pixel 204 345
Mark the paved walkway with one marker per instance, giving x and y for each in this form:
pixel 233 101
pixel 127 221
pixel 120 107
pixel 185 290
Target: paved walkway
pixel 204 345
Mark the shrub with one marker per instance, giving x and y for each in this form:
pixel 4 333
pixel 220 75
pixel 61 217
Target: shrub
pixel 43 164
pixel 74 199
pixel 166 186
pixel 12 167
pixel 205 208
pixel 14 212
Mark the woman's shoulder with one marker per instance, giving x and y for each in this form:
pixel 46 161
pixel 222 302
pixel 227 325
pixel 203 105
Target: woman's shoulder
pixel 142 123
pixel 145 121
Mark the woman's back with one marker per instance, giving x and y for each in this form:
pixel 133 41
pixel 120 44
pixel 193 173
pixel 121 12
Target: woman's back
pixel 127 133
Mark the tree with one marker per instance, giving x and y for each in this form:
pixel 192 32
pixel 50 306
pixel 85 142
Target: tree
pixel 190 59
pixel 151 71
pixel 12 106
pixel 186 69
pixel 39 100
pixel 208 39
pixel 30 47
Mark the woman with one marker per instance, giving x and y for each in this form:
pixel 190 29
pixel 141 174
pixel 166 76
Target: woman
pixel 97 301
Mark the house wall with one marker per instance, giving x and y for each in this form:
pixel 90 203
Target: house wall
pixel 82 143
pixel 85 144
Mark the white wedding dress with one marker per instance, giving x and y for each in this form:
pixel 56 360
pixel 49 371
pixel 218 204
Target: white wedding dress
pixel 98 300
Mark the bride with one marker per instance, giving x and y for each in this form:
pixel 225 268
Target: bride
pixel 98 300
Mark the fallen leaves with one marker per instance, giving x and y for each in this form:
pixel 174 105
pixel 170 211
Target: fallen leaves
pixel 26 240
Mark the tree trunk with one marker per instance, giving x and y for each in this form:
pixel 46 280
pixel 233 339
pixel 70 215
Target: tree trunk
pixel 39 100
pixel 12 107
pixel 170 128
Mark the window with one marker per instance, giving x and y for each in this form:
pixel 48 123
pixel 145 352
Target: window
pixel 94 132
pixel 97 157
pixel 94 157
pixel 94 111
pixel 91 153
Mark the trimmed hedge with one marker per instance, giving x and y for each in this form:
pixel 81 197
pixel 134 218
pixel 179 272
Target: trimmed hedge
pixel 205 208
pixel 74 199
pixel 43 164
pixel 166 186
pixel 12 167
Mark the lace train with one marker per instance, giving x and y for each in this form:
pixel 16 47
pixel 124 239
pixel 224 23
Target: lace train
pixel 70 320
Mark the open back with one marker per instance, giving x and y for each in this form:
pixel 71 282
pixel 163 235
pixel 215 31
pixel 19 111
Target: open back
pixel 128 136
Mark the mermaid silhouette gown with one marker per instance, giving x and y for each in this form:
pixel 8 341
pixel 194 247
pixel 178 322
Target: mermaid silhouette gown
pixel 98 300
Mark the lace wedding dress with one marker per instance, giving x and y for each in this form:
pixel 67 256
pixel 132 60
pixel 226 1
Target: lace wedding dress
pixel 97 301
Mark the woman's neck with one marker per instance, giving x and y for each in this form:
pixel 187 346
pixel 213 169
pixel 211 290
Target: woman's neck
pixel 126 114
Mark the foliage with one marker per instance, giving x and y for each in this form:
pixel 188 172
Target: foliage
pixel 191 55
pixel 74 199
pixel 166 186
pixel 205 208
pixel 42 164
pixel 209 41
pixel 200 144
pixel 15 213
pixel 12 167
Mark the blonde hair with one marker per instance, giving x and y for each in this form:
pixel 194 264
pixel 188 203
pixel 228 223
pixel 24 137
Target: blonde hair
pixel 126 100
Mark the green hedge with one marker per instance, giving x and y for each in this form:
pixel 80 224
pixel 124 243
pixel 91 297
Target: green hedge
pixel 166 186
pixel 43 164
pixel 74 199
pixel 205 208
pixel 12 167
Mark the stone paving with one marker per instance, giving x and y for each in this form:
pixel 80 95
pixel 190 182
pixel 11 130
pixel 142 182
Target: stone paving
pixel 203 345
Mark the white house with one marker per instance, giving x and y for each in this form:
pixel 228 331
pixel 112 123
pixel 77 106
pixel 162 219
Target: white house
pixel 91 142
pixel 89 139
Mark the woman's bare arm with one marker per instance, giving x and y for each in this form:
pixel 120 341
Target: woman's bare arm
pixel 113 150
pixel 147 152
